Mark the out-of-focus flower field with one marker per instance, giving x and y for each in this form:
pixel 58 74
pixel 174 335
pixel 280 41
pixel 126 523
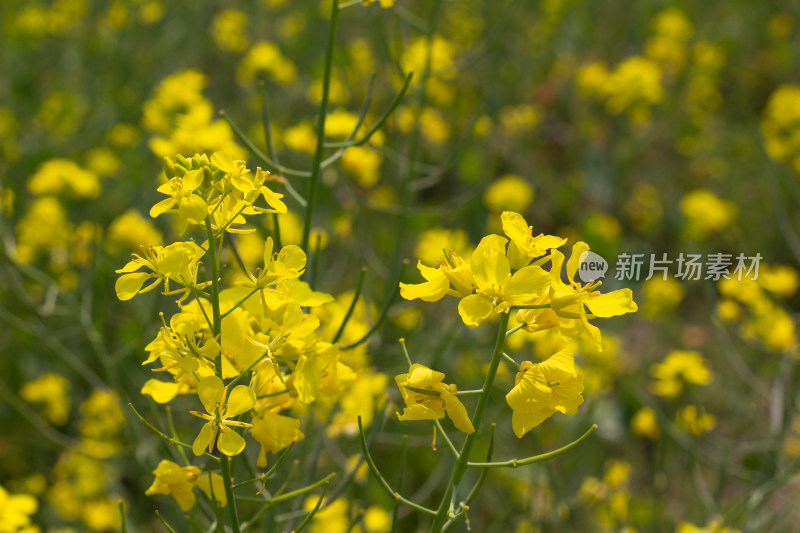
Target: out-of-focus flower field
pixel 283 352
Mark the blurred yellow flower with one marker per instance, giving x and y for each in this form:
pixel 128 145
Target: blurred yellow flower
pixel 679 367
pixel 50 391
pixel 695 421
pixel 61 175
pixel 177 481
pixel 780 125
pixel 508 193
pixel 229 30
pixel 645 424
pixel 265 59
pixel 706 213
pixel 129 231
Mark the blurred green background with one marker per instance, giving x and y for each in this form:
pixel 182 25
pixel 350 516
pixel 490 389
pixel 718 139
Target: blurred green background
pixel 650 127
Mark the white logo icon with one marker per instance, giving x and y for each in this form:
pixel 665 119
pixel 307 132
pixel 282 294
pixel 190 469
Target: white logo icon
pixel 592 267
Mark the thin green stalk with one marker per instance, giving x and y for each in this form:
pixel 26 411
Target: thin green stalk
pixel 272 165
pixel 166 525
pixel 384 311
pixel 293 494
pixel 123 525
pixel 478 484
pixel 217 328
pixel 515 329
pixel 446 438
pixel 510 360
pixel 240 302
pixel 315 262
pixel 216 319
pixel 323 112
pixel 405 352
pixel 530 306
pixel 271 150
pixel 514 463
pixel 309 516
pixel 268 473
pixel 375 127
pixel 382 481
pixel 353 303
pixel 400 478
pixel 169 440
pixel 174 434
pixel 461 464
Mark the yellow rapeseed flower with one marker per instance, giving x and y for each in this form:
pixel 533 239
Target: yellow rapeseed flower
pixel 544 388
pixel 427 398
pixel 212 393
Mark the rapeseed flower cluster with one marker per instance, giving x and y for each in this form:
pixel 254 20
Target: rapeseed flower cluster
pixel 780 125
pixel 754 304
pixel 679 367
pixel 503 274
pixel 265 359
pixel 181 118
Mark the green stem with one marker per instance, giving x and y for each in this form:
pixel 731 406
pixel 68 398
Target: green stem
pixel 384 311
pixel 514 463
pixel 169 440
pixel 164 522
pixel 350 309
pixel 323 112
pixel 446 438
pixel 217 327
pixel 510 360
pixel 382 481
pixel 530 306
pixel 462 463
pixel 123 525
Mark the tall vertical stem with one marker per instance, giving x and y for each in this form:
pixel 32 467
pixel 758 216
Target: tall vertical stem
pixel 461 464
pixel 216 325
pixel 323 112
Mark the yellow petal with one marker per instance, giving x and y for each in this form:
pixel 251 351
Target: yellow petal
pixel 241 400
pixel 514 226
pixel 230 442
pixel 222 161
pixel 527 285
pixel 128 285
pixel 525 420
pixel 268 246
pixel 183 495
pixel 557 284
pixel 275 432
pixel 194 209
pixel 204 439
pixel 210 391
pixel 217 484
pixel 292 257
pixel 457 412
pixel 429 291
pixel 160 391
pixel 531 391
pixel 575 259
pixel 274 200
pixel 162 207
pixel 475 309
pixel 489 264
pixel 612 304
pixel 192 180
pixel 419 412
pixel 421 376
